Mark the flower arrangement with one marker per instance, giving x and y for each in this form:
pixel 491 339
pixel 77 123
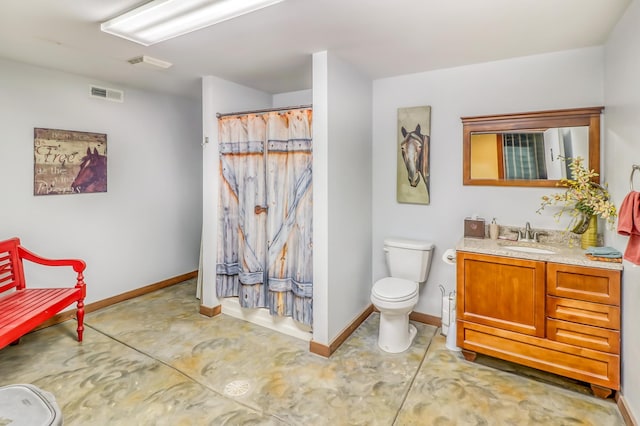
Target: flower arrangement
pixel 583 198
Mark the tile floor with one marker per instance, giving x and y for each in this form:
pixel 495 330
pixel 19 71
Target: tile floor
pixel 155 361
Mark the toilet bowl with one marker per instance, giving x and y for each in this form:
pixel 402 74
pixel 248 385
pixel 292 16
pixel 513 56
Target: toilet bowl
pixel 395 297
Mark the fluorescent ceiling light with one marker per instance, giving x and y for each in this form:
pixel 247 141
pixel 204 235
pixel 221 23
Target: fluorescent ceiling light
pixel 161 20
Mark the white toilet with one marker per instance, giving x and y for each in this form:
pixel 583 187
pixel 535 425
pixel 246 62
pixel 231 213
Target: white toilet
pixel 396 296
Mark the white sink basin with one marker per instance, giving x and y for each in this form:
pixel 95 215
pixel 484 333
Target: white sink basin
pixel 527 249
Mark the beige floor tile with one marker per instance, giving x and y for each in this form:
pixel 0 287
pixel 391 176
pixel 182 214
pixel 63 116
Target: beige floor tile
pixel 102 382
pixel 451 391
pixel 155 360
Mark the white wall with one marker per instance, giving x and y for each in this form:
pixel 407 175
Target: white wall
pixel 342 176
pixel 291 99
pixel 321 197
pixel 218 96
pixel 622 150
pixel 146 228
pixel 552 81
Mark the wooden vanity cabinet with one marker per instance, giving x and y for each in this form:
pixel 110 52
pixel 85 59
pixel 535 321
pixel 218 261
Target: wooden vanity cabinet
pixel 564 319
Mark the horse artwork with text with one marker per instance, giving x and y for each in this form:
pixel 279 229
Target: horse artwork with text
pixel 69 162
pixel 413 155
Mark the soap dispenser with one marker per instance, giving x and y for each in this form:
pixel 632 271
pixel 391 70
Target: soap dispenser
pixel 494 231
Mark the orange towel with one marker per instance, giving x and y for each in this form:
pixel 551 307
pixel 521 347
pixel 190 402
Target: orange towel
pixel 629 225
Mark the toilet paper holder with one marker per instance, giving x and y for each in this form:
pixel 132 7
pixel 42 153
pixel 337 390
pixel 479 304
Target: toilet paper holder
pixel 448 328
pixel 448 304
pixel 449 256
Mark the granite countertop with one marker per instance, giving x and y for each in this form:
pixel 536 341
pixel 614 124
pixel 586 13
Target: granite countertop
pixel 562 252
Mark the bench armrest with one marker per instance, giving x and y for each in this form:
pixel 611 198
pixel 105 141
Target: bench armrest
pixel 77 264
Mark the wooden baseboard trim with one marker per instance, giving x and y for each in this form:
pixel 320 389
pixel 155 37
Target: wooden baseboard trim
pixel 92 307
pixel 57 319
pixel 628 418
pixel 425 319
pixel 326 351
pixel 319 349
pixel 210 311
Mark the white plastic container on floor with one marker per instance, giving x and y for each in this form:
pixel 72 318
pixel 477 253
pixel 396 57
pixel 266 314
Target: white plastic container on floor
pixel 28 405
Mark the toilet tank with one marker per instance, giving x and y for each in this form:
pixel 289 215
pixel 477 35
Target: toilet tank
pixel 408 259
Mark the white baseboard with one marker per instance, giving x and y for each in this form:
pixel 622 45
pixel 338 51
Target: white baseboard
pixel 261 317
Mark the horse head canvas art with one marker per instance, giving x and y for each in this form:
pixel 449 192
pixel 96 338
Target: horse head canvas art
pixel 92 176
pixel 415 153
pixel 413 148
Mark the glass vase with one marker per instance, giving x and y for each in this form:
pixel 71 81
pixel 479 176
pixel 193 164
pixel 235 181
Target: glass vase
pixel 580 222
pixel 590 236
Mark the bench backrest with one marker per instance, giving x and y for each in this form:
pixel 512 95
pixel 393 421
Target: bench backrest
pixel 11 271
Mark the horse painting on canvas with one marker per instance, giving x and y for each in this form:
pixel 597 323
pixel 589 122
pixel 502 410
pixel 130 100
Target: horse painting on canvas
pixel 415 153
pixel 414 146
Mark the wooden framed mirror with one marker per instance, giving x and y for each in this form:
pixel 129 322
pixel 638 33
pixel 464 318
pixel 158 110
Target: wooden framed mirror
pixel 522 149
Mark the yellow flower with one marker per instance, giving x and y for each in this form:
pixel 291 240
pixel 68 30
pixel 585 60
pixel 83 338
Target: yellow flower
pixel 583 195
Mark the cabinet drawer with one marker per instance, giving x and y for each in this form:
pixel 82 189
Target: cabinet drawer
pixel 585 336
pixel 590 284
pixel 597 367
pixel 589 313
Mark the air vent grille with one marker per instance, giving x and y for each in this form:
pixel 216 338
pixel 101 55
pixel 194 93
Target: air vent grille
pixel 106 93
pixel 149 62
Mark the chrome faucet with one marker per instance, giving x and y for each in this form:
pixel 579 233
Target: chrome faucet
pixel 528 235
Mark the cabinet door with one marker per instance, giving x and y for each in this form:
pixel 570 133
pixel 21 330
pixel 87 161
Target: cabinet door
pixel 501 292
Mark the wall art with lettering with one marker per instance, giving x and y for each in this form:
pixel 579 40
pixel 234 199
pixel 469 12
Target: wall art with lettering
pixel 69 162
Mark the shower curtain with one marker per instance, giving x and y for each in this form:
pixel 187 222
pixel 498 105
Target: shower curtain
pixel 265 225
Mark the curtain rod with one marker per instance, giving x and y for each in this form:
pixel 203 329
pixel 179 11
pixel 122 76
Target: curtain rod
pixel 262 111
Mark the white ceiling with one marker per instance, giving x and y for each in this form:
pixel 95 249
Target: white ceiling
pixel 271 49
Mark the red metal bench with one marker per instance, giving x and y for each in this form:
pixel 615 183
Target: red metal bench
pixel 23 309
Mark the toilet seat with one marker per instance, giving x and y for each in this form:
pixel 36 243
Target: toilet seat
pixel 392 289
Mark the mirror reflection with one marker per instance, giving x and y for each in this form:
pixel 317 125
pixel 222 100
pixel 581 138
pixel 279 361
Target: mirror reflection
pixel 527 154
pixel 527 149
